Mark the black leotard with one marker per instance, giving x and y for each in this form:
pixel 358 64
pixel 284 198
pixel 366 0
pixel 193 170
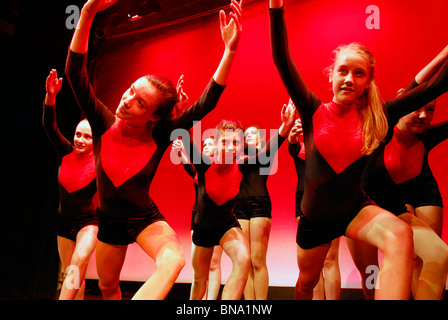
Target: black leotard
pixel 76 180
pixel 333 137
pixel 126 159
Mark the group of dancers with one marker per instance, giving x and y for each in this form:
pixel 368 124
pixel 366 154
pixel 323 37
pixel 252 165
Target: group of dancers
pixel 362 168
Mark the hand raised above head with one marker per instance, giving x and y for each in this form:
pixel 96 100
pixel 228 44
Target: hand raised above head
pixel 231 31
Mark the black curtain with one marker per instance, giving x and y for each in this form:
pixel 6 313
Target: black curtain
pixel 29 261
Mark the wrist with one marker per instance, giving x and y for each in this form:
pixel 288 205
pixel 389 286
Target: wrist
pixel 50 100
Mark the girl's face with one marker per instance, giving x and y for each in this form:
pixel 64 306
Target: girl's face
pixel 229 146
pixel 138 103
pixel 418 121
pixel 251 136
pixel 350 77
pixel 83 138
pixel 209 147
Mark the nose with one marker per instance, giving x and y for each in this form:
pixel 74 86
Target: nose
pixel 349 78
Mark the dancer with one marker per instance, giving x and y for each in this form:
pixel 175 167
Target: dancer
pixel 253 209
pixel 390 173
pixel 214 275
pixel 77 221
pixel 128 147
pixel 338 138
pixel 219 181
pixel 329 285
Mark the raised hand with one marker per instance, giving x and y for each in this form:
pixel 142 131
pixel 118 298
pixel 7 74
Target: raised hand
pixel 182 97
pixel 295 132
pixel 288 114
pixel 52 86
pixel 95 6
pixel 231 31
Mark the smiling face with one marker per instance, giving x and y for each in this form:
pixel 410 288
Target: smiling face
pixel 209 147
pixel 229 146
pixel 83 138
pixel 350 76
pixel 418 121
pixel 138 103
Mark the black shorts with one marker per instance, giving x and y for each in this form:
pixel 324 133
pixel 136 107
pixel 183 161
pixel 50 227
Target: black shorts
pixel 69 226
pixel 311 234
pixel 125 230
pixel 253 207
pixel 422 192
pixel 204 237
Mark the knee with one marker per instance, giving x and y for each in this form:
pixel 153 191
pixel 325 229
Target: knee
pixel 172 260
pixel 108 287
pixel 398 240
pixel 258 262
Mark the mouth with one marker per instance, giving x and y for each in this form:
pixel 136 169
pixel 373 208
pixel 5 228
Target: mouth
pixel 345 89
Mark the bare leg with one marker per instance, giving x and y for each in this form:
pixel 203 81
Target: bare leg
pixel 310 263
pixel 109 261
pixel 214 275
pixel 393 237
pixel 200 259
pixel 332 274
pixel 433 252
pixel 260 229
pixel 432 216
pixel 236 246
pixel 364 255
pixel 85 244
pixel 160 242
pixel 249 293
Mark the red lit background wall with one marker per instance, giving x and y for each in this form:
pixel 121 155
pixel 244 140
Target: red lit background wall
pixel 411 33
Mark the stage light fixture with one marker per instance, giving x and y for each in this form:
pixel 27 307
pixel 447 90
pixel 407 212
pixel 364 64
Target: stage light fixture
pixel 144 8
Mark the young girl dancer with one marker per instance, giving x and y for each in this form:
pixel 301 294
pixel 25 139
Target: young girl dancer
pixel 390 173
pixel 329 285
pixel 219 181
pixel 77 221
pixel 128 147
pixel 253 210
pixel 214 275
pixel 338 138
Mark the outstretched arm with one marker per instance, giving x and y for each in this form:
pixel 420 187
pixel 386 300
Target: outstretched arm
pixel 53 85
pixel 80 40
pixel 303 98
pixel 231 33
pixel 431 68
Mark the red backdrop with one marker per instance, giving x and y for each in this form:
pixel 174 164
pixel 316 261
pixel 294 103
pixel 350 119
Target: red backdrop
pixel 411 33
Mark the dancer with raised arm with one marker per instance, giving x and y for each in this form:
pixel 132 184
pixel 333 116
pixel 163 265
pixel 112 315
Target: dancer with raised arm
pixel 77 221
pixel 128 147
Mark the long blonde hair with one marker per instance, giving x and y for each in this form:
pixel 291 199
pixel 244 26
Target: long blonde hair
pixel 372 113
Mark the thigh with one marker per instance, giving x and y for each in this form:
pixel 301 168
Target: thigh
pixel 235 244
pixel 200 260
pixel 310 261
pixel 66 247
pixel 432 215
pixel 260 229
pixel 159 239
pixel 86 240
pixel 109 261
pixel 372 224
pixel 427 244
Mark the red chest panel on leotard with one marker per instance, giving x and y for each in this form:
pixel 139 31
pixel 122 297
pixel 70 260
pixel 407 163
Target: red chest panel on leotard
pixel 76 171
pixel 337 135
pixel 222 185
pixel 403 156
pixel 125 151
